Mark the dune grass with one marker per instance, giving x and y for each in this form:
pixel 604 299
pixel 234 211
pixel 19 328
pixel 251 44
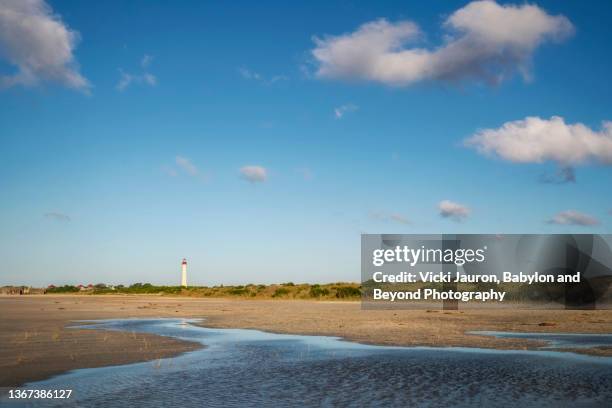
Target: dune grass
pixel 289 290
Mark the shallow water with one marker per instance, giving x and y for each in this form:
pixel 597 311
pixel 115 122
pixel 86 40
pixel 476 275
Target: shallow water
pixel 557 340
pixel 253 368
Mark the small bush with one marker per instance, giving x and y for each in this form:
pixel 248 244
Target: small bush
pixel 280 292
pixel 63 289
pixel 317 291
pixel 172 289
pixel 238 291
pixel 347 292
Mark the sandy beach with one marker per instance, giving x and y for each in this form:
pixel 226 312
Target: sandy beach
pixel 35 342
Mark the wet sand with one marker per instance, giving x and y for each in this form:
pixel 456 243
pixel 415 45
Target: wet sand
pixel 35 343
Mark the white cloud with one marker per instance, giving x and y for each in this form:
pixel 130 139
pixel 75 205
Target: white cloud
pixel 145 78
pixel 251 75
pixel 340 111
pixel 486 42
pixel 186 165
pixel 536 140
pixel 452 210
pixel 254 174
pixel 38 43
pixel 57 216
pixel 572 217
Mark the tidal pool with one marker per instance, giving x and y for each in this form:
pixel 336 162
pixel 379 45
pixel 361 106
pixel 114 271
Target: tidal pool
pixel 253 368
pixel 557 340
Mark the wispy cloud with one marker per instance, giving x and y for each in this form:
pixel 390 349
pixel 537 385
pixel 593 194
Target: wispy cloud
pixel 254 174
pixel 573 217
pixel 485 42
pixel 39 44
pixel 399 218
pixel 57 216
pixel 146 60
pixel 394 217
pixel 129 79
pixel 145 78
pixel 255 76
pixel 452 210
pixel 186 165
pixel 342 110
pixel 248 74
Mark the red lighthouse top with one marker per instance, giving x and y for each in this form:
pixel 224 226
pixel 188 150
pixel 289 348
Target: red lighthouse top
pixel 184 261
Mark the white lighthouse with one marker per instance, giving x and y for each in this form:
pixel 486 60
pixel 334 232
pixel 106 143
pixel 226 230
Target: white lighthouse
pixel 184 272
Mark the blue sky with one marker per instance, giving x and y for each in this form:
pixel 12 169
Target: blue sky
pixel 115 174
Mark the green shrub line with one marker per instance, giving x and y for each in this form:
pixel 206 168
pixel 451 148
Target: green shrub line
pixel 339 291
pixel 288 290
